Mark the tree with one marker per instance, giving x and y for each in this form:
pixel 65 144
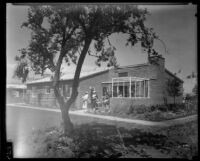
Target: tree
pixel 195 90
pixel 68 32
pixel 174 88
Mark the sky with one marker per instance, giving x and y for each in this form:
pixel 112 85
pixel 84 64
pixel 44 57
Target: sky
pixel 176 26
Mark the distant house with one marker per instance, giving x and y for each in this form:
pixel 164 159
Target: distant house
pixel 137 84
pixel 15 93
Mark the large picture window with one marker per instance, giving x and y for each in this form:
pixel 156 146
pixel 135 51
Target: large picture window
pixel 131 87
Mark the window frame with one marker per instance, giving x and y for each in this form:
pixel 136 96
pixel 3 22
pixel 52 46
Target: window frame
pixel 133 81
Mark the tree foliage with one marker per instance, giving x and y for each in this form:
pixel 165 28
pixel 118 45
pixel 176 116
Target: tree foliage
pixel 174 88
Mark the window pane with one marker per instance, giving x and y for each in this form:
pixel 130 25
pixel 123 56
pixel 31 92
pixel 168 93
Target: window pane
pixel 126 89
pixel 68 91
pixel 142 89
pixel 120 91
pixel 114 91
pixel 133 89
pixel 146 88
pixel 105 90
pixel 137 89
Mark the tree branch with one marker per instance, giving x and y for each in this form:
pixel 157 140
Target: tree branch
pixel 89 53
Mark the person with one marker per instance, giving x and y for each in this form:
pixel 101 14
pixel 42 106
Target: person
pixel 106 101
pixel 94 100
pixel 85 101
pixel 91 103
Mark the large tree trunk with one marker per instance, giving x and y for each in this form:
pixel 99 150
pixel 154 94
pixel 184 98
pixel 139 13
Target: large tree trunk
pixel 174 100
pixel 65 106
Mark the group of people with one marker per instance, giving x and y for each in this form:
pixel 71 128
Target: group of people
pixel 90 100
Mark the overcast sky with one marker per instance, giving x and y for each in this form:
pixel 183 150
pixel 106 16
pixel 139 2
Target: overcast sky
pixel 176 25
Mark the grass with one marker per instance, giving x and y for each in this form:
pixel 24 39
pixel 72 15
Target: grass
pixel 100 140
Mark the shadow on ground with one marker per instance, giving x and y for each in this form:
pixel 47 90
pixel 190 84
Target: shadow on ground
pixel 98 140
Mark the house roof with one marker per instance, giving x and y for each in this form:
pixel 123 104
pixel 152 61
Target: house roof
pixel 85 74
pixel 16 86
pixel 70 76
pixel 170 73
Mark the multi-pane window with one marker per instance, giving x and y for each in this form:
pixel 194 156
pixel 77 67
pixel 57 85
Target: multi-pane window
pixel 133 89
pixel 130 87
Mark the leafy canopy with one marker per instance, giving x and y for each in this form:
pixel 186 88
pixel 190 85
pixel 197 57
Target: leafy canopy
pixel 174 87
pixel 62 31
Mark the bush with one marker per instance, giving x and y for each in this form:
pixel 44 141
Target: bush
pixel 139 109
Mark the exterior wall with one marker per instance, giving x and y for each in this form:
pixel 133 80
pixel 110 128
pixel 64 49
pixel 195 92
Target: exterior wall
pixel 93 81
pixel 169 98
pixel 48 100
pixel 153 72
pixel 41 98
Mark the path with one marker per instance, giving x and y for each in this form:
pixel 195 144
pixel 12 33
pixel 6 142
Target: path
pixel 113 118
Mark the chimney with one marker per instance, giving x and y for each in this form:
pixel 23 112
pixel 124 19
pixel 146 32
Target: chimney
pixel 157 60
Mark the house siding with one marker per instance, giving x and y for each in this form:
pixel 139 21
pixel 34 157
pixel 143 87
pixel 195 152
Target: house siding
pixel 154 72
pixel 49 99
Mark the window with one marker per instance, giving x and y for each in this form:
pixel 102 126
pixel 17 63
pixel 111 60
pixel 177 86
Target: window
pixel 133 89
pixel 126 89
pixel 142 89
pixel 124 74
pixel 137 89
pixel 47 90
pixel 105 90
pixel 67 91
pixel 146 84
pixel 130 87
pixel 115 90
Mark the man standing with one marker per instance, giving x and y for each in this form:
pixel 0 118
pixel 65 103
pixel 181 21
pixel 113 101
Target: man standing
pixel 94 100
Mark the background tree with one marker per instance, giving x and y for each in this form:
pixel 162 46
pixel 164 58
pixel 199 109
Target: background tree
pixel 195 90
pixel 64 33
pixel 174 88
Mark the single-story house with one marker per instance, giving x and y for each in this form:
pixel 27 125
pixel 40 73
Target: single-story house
pixel 15 93
pixel 136 84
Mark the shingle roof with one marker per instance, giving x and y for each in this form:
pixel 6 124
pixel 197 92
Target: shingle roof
pixel 70 76
pixel 170 73
pixel 85 74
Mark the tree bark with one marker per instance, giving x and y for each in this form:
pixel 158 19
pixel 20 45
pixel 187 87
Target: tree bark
pixel 65 106
pixel 68 126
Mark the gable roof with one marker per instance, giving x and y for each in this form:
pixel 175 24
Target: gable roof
pixel 170 73
pixel 70 76
pixel 87 74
